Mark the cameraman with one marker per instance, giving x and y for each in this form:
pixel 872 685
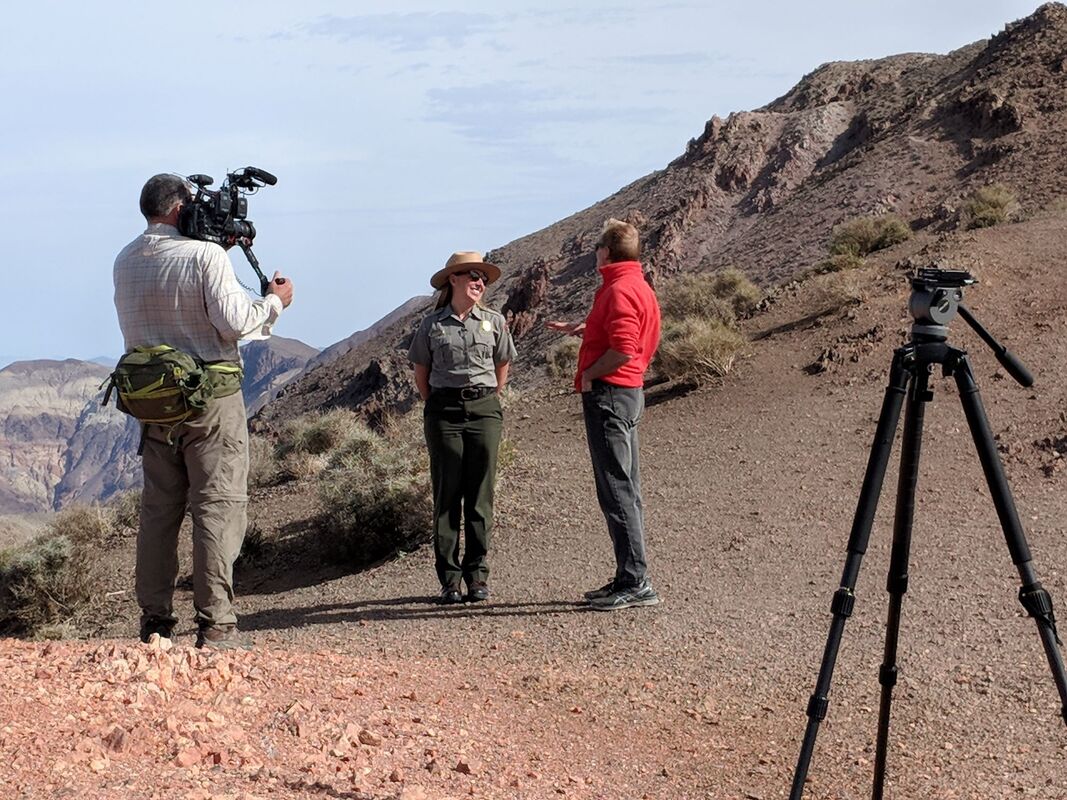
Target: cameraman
pixel 182 292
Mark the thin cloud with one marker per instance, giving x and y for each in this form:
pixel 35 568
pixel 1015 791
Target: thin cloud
pixel 673 59
pixel 508 112
pixel 407 32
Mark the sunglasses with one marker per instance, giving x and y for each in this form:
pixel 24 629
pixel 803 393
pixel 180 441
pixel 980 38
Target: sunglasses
pixel 475 275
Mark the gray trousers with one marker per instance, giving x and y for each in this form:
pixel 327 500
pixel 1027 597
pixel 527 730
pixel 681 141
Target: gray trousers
pixel 611 416
pixel 206 470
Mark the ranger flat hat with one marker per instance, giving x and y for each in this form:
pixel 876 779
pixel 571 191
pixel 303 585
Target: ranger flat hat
pixel 464 261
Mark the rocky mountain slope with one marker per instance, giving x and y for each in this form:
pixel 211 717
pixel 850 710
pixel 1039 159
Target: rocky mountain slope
pixel 57 444
pixel 761 190
pixel 269 365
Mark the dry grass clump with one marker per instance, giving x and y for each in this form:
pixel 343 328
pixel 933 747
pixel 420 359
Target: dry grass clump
pixel 864 235
pixel 726 296
pixel 375 492
pixel 835 292
pixel 700 339
pixel 562 358
pixel 307 443
pixel 318 432
pixel 839 262
pixel 126 509
pixel 988 206
pixel 698 349
pixel 262 463
pixel 44 582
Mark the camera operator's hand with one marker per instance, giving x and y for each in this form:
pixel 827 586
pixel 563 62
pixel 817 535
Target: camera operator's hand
pixel 283 287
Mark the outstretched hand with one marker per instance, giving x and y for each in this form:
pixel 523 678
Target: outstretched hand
pixel 569 328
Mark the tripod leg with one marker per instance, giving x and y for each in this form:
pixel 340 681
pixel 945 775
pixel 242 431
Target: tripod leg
pixel 1032 594
pixel 897 582
pixel 844 597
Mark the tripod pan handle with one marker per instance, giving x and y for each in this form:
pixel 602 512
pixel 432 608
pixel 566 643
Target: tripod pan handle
pixel 1015 367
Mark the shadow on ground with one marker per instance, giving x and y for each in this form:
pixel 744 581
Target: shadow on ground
pixel 295 559
pixel 399 609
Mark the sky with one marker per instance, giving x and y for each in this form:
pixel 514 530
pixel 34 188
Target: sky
pixel 399 131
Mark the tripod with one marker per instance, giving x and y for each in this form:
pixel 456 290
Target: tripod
pixel 936 298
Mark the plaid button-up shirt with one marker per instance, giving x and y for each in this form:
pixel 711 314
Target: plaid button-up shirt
pixel 170 289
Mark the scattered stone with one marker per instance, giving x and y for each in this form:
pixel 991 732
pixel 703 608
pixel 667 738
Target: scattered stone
pixel 467 766
pixel 188 757
pixel 370 738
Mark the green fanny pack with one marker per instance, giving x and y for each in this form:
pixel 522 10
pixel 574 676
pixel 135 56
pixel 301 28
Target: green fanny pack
pixel 165 386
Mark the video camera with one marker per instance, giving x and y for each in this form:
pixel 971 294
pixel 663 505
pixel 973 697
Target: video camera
pixel 221 216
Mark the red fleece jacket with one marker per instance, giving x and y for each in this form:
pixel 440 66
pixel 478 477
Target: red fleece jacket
pixel 624 318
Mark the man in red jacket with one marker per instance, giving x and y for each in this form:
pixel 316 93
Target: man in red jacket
pixel 619 338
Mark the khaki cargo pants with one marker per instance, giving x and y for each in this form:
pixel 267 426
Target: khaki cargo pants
pixel 206 470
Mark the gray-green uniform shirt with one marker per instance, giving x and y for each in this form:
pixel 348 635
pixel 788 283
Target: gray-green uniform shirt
pixel 462 352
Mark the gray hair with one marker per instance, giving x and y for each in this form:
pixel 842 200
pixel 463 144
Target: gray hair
pixel 162 193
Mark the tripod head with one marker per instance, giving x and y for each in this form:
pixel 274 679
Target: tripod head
pixel 936 297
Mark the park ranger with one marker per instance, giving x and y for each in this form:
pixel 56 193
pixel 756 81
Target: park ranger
pixel 461 354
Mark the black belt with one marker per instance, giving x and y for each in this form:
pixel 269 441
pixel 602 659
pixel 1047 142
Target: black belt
pixel 465 392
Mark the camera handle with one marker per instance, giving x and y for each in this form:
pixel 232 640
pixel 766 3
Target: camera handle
pixel 246 247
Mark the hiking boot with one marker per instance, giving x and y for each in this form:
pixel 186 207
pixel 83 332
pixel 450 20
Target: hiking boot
pixel 641 595
pixel 479 591
pixel 603 591
pixel 222 637
pixel 451 594
pixel 161 626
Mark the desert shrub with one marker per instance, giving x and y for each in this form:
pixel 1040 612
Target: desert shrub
pixel 317 433
pixel 836 292
pixel 375 493
pixel 988 206
pixel 301 466
pixel 722 295
pixel 253 546
pixel 864 235
pixel 839 262
pixel 698 349
pixel 562 358
pixel 263 469
pixel 42 583
pixel 86 525
pixel 126 509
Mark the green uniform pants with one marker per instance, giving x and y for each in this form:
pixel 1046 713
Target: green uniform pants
pixel 206 471
pixel 463 437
